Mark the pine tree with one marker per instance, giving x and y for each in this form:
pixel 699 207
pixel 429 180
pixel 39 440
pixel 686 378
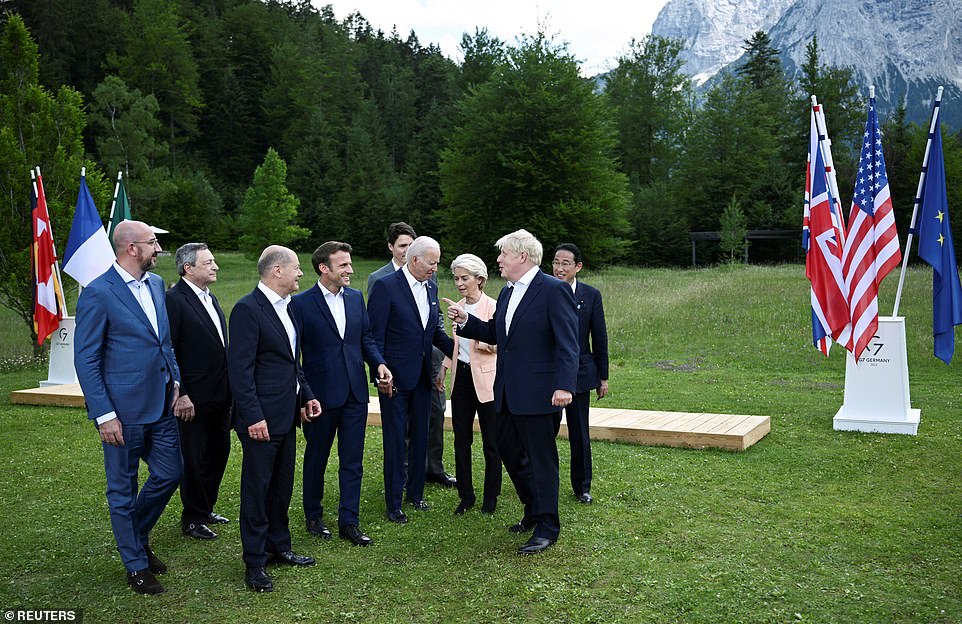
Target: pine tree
pixel 269 210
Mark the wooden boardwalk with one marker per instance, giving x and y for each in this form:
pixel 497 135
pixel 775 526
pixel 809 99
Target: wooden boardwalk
pixel 677 429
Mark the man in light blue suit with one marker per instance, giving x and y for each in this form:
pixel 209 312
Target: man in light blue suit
pixel 126 368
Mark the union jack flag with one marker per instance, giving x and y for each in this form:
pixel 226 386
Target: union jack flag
pixel 823 234
pixel 872 247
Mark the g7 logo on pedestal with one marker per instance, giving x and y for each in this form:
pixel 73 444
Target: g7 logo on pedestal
pixel 63 334
pixel 877 346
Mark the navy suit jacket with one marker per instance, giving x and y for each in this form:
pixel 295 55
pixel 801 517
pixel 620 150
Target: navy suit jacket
pixel 122 365
pixel 396 324
pixel 593 354
pixel 540 354
pixel 263 372
pixel 334 366
pixel 201 355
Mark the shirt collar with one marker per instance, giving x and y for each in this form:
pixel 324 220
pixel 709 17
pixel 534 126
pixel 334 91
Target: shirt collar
pixel 127 277
pixel 328 293
pixel 397 267
pixel 197 291
pixel 410 278
pixel 272 296
pixel 527 277
pixel 574 285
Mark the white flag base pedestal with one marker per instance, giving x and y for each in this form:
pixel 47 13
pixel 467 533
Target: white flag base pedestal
pixel 60 369
pixel 877 389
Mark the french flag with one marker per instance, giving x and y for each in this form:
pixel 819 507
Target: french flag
pixel 89 252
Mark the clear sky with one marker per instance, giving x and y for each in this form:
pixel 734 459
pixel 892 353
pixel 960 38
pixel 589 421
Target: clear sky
pixel 597 31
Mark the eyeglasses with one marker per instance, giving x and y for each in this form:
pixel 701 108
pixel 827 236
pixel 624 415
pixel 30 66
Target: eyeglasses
pixel 152 242
pixel 563 263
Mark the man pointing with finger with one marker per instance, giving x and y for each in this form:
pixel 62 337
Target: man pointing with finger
pixel 535 327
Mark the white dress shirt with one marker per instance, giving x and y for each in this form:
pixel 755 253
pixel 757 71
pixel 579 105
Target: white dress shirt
pixel 420 292
pixel 208 303
pixel 335 302
pixel 280 307
pixel 517 293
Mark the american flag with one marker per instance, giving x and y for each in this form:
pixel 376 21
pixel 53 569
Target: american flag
pixel 823 233
pixel 872 247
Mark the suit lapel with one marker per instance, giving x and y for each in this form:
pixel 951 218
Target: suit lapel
pixel 273 320
pixel 320 301
pixel 530 293
pixel 194 302
pixel 408 294
pixel 122 292
pixel 353 308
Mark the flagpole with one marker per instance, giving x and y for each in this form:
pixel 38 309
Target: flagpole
pixel 918 199
pixel 113 204
pixel 826 145
pixel 58 279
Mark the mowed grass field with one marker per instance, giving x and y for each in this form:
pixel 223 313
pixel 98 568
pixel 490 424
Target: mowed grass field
pixel 808 525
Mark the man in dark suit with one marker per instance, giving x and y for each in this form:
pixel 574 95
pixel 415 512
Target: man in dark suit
pixel 129 377
pixel 198 333
pixel 336 340
pixel 592 365
pixel 270 392
pixel 536 331
pixel 406 323
pixel 400 235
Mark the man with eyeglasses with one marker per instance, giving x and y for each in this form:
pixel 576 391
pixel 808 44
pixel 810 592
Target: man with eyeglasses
pixel 198 332
pixel 125 364
pixel 592 365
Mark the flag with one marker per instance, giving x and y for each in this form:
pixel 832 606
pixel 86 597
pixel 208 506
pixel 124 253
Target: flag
pixel 46 314
pixel 822 236
pixel 935 247
pixel 88 252
pixel 872 247
pixel 120 210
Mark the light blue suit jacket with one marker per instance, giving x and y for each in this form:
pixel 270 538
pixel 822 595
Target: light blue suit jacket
pixel 122 365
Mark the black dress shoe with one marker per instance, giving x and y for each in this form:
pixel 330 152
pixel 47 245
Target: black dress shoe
pixel 463 506
pixel 419 505
pixel 289 557
pixel 354 535
pixel 443 479
pixel 198 531
pixel 397 516
pixel 585 498
pixel 316 527
pixel 154 564
pixel 258 580
pixel 535 545
pixel 143 582
pixel 523 526
pixel 489 505
pixel 215 518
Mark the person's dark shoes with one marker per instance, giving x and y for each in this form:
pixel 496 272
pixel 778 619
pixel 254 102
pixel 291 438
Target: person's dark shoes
pixel 316 527
pixel 535 545
pixel 353 534
pixel 523 526
pixel 144 582
pixel 443 479
pixel 154 564
pixel 215 518
pixel 489 505
pixel 258 580
pixel 463 506
pixel 198 531
pixel 397 516
pixel 419 505
pixel 289 557
pixel 585 498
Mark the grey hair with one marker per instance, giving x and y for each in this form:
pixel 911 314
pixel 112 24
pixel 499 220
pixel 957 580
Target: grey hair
pixel 273 255
pixel 420 246
pixel 519 241
pixel 472 264
pixel 187 254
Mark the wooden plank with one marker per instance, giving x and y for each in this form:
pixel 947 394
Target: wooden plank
pixel 646 427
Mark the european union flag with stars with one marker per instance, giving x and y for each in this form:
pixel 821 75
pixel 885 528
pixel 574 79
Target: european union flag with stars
pixel 935 247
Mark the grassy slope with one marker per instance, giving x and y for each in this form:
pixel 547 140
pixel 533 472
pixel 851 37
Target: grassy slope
pixel 808 525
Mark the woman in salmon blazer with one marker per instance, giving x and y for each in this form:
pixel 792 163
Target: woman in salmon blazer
pixel 472 383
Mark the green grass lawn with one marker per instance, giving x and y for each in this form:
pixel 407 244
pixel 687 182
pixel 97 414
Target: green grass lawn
pixel 808 525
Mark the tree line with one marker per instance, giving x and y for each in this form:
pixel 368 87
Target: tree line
pixel 243 121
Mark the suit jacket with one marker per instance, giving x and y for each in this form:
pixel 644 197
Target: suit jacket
pixel 201 355
pixel 483 361
pixel 263 372
pixel 384 271
pixel 123 366
pixel 540 354
pixel 396 324
pixel 593 355
pixel 334 366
